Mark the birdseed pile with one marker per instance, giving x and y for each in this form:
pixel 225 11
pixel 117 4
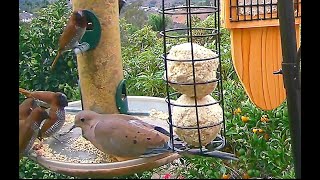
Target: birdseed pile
pixel 158 114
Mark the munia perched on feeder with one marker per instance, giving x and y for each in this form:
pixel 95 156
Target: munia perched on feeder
pixel 127 137
pixel 72 34
pixel 74 31
pixel 29 129
pixel 57 102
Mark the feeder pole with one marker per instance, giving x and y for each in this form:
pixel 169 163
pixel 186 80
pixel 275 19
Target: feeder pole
pixel 290 69
pixel 100 69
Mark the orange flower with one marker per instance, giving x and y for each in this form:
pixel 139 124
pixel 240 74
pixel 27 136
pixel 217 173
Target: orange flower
pixel 260 130
pixel 244 119
pixel 237 111
pixel 225 176
pixel 266 137
pixel 245 176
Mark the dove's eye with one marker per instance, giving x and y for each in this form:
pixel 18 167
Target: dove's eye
pixel 82 119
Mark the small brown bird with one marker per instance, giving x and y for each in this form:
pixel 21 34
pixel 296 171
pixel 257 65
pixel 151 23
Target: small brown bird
pixel 57 103
pixel 127 137
pixel 72 33
pixel 26 107
pixel 29 128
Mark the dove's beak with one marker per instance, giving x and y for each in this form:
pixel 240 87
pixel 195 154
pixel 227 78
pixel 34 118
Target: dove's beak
pixel 72 127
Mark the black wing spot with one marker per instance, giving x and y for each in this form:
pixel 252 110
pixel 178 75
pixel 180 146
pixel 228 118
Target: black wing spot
pixel 148 138
pixel 134 141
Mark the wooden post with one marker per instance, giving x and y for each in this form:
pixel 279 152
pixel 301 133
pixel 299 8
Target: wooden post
pixel 100 69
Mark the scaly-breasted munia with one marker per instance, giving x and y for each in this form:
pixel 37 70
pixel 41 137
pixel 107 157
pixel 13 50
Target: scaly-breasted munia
pixel 29 129
pixel 26 107
pixel 57 103
pixel 72 33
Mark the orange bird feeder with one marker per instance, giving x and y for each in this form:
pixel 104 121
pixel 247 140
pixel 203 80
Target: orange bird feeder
pixel 256 47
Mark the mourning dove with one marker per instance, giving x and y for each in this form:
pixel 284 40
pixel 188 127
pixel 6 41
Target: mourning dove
pixel 29 128
pixel 123 136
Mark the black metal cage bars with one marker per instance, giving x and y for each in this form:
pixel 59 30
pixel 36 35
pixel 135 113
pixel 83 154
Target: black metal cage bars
pixel 248 10
pixel 188 10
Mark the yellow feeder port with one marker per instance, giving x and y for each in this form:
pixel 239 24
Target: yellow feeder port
pixel 256 47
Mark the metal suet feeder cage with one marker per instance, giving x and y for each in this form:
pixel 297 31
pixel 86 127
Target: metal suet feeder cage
pixel 103 90
pixel 187 34
pixel 256 47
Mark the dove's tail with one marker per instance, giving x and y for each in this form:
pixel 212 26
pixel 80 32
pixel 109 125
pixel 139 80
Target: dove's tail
pixel 178 145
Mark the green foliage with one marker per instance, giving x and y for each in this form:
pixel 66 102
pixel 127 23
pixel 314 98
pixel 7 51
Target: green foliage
pixel 268 151
pixel 38 44
pixel 143 67
pixel 134 15
pixel 156 21
pixel 30 170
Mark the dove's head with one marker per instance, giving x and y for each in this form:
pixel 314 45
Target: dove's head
pixel 85 119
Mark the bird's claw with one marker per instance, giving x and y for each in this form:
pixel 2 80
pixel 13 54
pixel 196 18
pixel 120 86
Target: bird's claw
pixel 35 153
pixel 37 146
pixel 81 48
pixel 39 152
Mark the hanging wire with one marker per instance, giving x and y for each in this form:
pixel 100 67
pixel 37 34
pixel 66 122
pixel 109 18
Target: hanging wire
pixel 166 70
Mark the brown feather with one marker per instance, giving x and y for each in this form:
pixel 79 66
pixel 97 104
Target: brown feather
pixel 25 92
pixel 26 107
pixel 25 127
pixel 49 122
pixel 56 59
